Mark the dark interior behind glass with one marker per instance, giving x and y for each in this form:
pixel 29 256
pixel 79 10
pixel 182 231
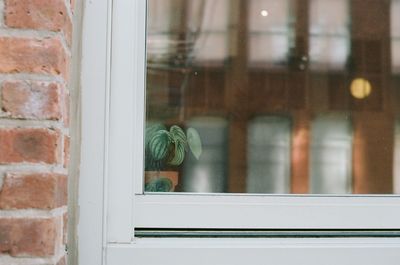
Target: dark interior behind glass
pixel 273 96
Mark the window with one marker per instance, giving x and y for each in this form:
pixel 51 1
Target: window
pixel 209 172
pixel 268 150
pixel 270 31
pixel 336 79
pixel 397 158
pixel 329 34
pixel 115 209
pixel 212 45
pixel 395 33
pixel 331 158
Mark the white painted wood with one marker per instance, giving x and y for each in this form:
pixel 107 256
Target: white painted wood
pixel 266 211
pixel 122 127
pixel 256 251
pixel 139 14
pixel 94 87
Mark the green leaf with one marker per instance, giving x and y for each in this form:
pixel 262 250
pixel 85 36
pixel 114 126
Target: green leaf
pixel 179 154
pixel 159 144
pixel 161 184
pixel 151 129
pixel 194 142
pixel 177 134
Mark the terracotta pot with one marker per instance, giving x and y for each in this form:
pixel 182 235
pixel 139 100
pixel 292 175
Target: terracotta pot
pixel 171 175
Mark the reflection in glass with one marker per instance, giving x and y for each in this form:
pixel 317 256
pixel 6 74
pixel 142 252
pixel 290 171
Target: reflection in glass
pixel 276 91
pixel 396 166
pixel 212 44
pixel 166 44
pixel 331 153
pixel 395 33
pixel 209 173
pixel 269 31
pixel 329 33
pixel 268 160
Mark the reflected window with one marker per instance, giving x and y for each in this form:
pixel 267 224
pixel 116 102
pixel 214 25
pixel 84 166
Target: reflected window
pixel 212 43
pixel 268 155
pixel 159 29
pixel 331 155
pixel 209 173
pixel 395 33
pixel 329 34
pixel 270 31
pixel 396 164
pixel 173 28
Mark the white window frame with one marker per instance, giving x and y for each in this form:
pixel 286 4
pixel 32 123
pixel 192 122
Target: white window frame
pixel 110 204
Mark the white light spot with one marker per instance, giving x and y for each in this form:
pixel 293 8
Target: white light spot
pixel 264 13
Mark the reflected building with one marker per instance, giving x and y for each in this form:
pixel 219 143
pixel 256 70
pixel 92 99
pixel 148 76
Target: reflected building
pixel 269 84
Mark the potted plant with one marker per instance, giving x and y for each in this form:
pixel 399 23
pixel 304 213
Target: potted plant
pixel 167 148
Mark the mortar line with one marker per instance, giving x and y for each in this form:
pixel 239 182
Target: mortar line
pixel 11 123
pixel 1 13
pixel 32 168
pixel 29 260
pixel 27 33
pixel 34 213
pixel 32 77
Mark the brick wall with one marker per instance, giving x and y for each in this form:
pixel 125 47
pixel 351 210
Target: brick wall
pixel 35 48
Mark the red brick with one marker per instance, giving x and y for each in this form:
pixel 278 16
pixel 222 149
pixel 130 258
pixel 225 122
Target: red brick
pixel 68 32
pixel 28 236
pixel 38 14
pixel 66 150
pixel 33 190
pixel 32 100
pixel 34 145
pixel 26 55
pixel 66 107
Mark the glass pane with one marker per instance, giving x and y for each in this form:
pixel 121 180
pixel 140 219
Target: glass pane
pixel 395 34
pixel 209 172
pixel 273 96
pixel 331 149
pixel 268 159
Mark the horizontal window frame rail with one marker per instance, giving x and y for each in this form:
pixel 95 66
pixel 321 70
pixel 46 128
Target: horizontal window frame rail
pixel 264 233
pixel 216 211
pixel 235 251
